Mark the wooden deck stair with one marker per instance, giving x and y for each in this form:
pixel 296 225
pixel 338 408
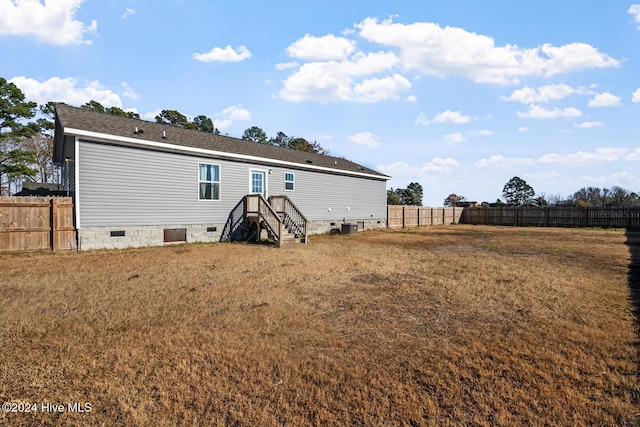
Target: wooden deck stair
pixel 279 216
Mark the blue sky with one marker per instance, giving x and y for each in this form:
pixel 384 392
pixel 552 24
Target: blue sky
pixel 457 95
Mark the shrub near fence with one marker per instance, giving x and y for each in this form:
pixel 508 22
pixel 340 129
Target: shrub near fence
pixel 419 216
pixel 36 223
pixel 555 216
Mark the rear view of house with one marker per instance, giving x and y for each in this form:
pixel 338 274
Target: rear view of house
pixel 137 183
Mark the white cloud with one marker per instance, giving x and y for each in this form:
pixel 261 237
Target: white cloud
pixel 635 96
pixel 51 22
pixel 440 165
pixel 412 98
pixel 501 161
pixel 484 132
pixel 328 47
pixel 574 57
pixel 581 158
pixel 400 170
pixel 447 116
pixel 634 11
pixel 228 54
pixel 588 125
pixel 128 91
pixel 286 65
pixel 546 93
pixel 621 178
pixel 455 138
pixel 230 115
pixel 633 156
pixel 127 13
pixel 438 51
pixel 422 119
pixel 624 177
pixel 68 90
pixel 223 124
pixel 345 80
pixel 437 165
pixel 332 69
pixel 523 129
pixel 605 99
pixel 364 138
pixel 380 89
pixel 236 112
pixel 537 112
pixel 151 115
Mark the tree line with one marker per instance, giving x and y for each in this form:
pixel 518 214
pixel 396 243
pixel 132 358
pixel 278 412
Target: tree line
pixel 517 192
pixel 26 136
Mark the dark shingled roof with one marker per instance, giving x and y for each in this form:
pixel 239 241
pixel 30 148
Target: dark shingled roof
pixel 79 118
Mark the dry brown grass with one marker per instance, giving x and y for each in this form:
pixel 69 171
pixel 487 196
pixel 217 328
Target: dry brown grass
pixel 453 325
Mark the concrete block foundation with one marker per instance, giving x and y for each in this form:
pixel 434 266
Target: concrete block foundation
pixel 90 238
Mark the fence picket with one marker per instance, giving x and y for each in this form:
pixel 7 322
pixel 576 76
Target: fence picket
pixel 548 216
pixel 418 216
pixel 36 223
pixel 555 216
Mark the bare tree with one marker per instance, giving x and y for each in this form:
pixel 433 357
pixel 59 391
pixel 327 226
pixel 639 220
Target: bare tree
pixel 42 147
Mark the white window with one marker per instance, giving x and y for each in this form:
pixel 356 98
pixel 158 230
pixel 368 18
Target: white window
pixel 209 181
pixel 289 181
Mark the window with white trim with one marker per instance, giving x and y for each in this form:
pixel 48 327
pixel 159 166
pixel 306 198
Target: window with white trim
pixel 289 181
pixel 209 181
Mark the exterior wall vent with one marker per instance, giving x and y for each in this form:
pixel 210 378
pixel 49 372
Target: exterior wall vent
pixel 175 235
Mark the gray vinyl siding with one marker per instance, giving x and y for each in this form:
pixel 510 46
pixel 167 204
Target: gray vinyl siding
pixel 128 186
pixel 315 193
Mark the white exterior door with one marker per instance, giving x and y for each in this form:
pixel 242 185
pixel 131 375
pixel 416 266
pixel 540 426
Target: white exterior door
pixel 258 183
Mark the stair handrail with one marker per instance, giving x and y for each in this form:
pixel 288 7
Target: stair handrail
pixel 291 215
pixel 235 223
pixel 267 215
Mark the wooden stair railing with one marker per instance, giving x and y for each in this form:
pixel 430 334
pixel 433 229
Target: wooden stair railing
pixel 278 215
pixel 235 227
pixel 259 212
pixel 292 218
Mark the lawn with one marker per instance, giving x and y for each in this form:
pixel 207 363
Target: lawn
pixel 446 325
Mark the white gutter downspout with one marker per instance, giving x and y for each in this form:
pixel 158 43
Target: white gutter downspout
pixel 76 174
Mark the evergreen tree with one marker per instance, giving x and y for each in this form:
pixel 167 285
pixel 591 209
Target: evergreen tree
pixel 15 162
pixel 517 192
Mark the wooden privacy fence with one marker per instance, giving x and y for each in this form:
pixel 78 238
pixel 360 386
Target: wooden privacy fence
pixel 555 216
pixel 418 216
pixel 36 223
